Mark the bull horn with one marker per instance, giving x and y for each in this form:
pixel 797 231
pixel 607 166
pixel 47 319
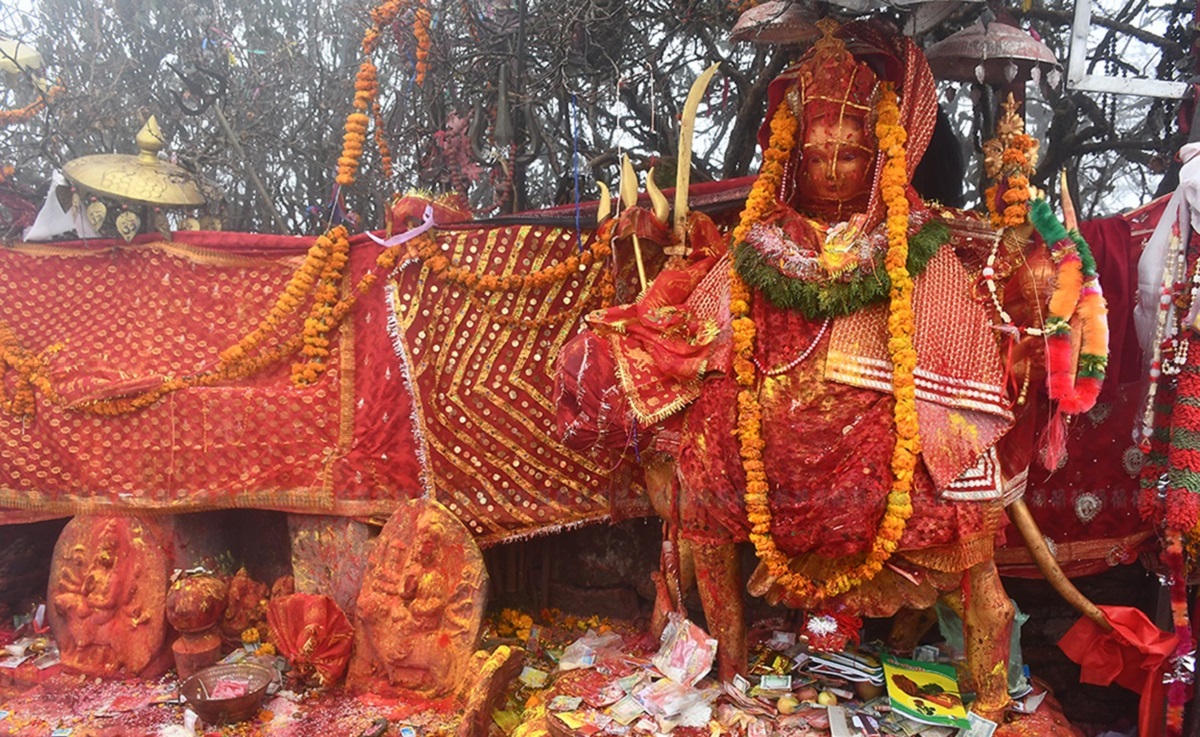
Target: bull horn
pixel 605 208
pixel 657 198
pixel 629 187
pixel 629 183
pixel 1023 519
pixel 683 163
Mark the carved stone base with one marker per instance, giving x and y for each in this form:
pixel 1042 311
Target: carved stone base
pixel 482 693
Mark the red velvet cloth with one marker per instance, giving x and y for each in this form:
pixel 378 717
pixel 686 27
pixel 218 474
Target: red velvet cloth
pixel 1117 252
pixel 1134 655
pixel 1088 507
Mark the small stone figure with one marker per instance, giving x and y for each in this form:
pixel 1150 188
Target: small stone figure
pixel 108 584
pixel 421 606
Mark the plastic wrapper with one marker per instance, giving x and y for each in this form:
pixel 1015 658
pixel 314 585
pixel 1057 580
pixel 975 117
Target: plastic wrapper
pixel 681 705
pixel 590 649
pixel 687 652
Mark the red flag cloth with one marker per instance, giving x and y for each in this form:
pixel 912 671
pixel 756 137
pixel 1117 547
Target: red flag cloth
pixel 1134 655
pixel 312 632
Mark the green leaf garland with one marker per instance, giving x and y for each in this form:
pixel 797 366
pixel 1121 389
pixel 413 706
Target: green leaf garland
pixel 819 299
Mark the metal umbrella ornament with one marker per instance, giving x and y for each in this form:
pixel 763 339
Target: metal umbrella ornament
pixel 994 53
pixel 135 183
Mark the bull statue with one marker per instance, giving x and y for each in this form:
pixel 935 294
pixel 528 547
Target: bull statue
pixel 855 366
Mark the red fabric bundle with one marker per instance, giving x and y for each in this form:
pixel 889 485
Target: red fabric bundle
pixel 313 633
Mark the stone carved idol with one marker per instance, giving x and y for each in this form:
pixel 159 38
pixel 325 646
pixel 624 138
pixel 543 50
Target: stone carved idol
pixel 421 606
pixel 108 585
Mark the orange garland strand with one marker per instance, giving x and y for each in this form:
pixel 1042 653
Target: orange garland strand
pixel 1018 160
pixel 319 277
pixel 22 114
pixel 421 25
pixel 442 268
pixel 366 87
pixel 385 152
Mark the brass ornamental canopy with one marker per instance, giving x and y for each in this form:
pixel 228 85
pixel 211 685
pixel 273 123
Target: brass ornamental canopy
pixel 144 178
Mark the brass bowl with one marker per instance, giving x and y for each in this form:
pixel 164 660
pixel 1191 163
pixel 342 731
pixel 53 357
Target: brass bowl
pixel 196 690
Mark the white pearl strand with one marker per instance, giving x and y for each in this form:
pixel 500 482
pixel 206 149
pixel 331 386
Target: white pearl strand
pixel 1170 273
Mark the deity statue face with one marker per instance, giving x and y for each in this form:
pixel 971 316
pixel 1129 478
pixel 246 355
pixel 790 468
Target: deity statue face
pixel 836 163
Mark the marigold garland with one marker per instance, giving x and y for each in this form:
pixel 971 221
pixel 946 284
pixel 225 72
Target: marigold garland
pixel 366 87
pixel 430 252
pixel 892 137
pixel 422 21
pixel 319 278
pixel 1011 156
pixel 385 151
pixel 606 285
pixel 22 114
pixel 315 348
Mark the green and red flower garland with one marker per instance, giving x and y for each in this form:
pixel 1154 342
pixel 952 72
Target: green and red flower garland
pixel 1077 294
pixel 1170 477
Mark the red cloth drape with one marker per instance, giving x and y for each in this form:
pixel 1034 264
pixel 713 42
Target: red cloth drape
pixel 1134 655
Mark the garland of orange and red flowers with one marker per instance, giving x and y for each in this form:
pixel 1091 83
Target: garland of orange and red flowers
pixel 320 318
pixel 894 181
pixel 477 288
pixel 1017 161
pixel 1076 292
pixel 22 114
pixel 422 21
pixel 444 269
pixel 319 279
pixel 366 87
pixel 385 151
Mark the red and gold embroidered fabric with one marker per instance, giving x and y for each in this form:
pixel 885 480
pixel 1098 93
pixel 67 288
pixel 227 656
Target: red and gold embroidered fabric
pixel 447 402
pixel 961 401
pixel 127 317
pixel 483 387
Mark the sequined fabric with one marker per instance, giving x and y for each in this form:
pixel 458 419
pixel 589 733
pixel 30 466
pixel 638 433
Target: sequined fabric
pixel 829 450
pixel 127 316
pixel 484 388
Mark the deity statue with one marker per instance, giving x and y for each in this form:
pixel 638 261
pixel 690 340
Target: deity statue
pixel 108 586
pixel 853 416
pixel 421 606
